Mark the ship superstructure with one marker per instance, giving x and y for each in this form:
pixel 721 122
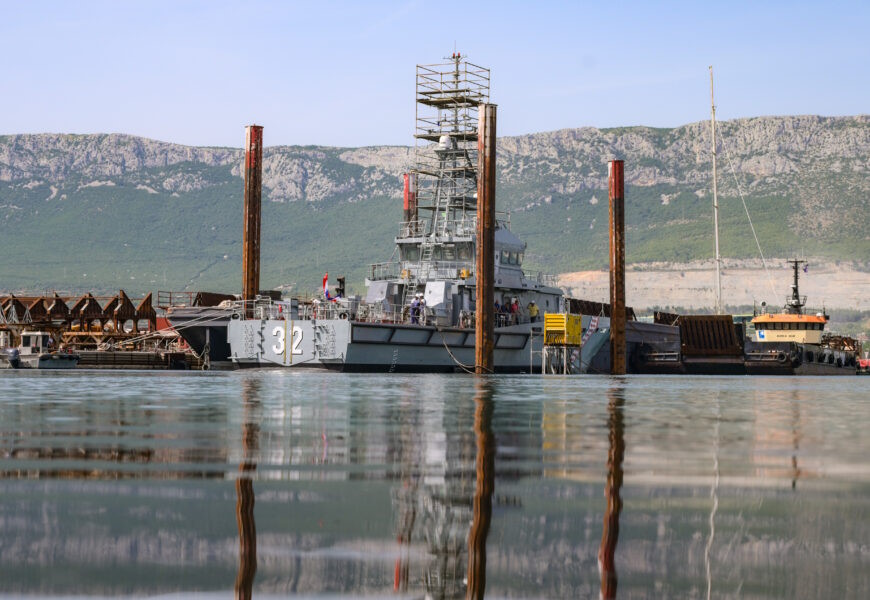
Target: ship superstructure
pixel 419 311
pixel 435 247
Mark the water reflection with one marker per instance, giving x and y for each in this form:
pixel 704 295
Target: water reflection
pixel 612 488
pixel 245 490
pixel 432 486
pixel 485 482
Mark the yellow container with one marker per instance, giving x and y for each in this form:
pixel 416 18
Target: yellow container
pixel 562 329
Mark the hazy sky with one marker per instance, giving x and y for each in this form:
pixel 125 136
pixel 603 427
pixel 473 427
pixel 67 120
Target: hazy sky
pixel 342 73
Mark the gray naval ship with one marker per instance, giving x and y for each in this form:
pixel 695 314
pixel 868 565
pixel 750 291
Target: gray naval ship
pixel 418 313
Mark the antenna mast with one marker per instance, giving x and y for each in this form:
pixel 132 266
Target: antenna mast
pixel 715 201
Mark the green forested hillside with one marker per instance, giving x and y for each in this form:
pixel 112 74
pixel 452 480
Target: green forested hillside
pixel 107 212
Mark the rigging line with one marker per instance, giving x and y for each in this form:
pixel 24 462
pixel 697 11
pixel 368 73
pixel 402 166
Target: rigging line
pixel 470 369
pixel 746 209
pixel 156 334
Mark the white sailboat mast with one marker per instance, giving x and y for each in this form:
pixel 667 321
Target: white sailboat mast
pixel 715 201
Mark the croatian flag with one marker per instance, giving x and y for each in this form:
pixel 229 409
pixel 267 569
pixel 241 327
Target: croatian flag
pixel 326 285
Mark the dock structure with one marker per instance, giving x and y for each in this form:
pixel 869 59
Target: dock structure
pixel 251 234
pixel 485 268
pixel 617 268
pixel 107 332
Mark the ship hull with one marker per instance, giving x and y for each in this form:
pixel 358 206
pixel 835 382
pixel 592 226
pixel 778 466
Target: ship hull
pixel 342 345
pixel 789 358
pixel 204 328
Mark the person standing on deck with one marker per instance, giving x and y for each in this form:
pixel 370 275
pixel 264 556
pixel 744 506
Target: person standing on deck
pixel 533 312
pixel 415 310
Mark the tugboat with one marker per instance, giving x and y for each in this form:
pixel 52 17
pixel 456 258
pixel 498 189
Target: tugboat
pixel 419 311
pixel 793 342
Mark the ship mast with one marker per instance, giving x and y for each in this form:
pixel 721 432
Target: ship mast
pixel 715 200
pixel 796 304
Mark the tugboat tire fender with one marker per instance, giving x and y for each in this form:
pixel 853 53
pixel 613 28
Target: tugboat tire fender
pixel 780 357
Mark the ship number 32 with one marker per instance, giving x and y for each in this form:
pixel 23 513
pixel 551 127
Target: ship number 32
pixel 296 340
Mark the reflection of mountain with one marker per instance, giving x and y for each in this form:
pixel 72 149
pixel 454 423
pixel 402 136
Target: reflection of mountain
pixel 362 487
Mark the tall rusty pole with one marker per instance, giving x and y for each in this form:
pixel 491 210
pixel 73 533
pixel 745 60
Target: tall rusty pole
pixel 617 268
pixel 485 266
pixel 253 187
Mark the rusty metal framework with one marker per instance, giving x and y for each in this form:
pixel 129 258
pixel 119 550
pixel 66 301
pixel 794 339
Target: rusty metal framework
pixel 448 96
pixel 89 316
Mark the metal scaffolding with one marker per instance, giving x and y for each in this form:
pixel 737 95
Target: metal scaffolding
pixel 448 97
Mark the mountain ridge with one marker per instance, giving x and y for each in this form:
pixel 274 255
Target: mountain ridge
pixel 806 177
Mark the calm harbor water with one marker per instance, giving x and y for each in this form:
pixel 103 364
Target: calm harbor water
pixel 320 485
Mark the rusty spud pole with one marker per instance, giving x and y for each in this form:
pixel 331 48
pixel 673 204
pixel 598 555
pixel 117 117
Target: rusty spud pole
pixel 253 187
pixel 617 268
pixel 485 267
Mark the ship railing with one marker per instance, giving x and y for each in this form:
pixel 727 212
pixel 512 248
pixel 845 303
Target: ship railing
pixel 410 229
pixel 441 269
pixel 807 310
pixel 165 299
pixel 444 269
pixel 421 271
pixel 385 270
pixel 261 308
pixel 465 227
pixel 542 278
pixel 383 312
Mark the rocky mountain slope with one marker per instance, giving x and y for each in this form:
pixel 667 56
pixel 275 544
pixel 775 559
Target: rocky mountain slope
pixel 88 211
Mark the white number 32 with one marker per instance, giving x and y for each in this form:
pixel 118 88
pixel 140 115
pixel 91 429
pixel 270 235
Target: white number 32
pixel 296 335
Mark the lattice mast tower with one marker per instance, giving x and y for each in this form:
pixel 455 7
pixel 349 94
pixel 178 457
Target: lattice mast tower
pixel 448 96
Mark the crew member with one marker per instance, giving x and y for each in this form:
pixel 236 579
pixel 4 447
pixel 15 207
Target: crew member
pixel 533 311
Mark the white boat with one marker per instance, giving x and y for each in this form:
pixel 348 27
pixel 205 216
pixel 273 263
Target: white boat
pixel 36 351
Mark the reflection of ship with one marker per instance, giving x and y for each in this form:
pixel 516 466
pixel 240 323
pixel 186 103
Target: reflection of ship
pixel 792 342
pixel 419 310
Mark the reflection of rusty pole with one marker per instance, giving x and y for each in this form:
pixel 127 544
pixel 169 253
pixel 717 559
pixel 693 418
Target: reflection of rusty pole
pixel 484 273
pixel 485 467
pixel 617 268
pixel 245 494
pixel 610 534
pixel 251 234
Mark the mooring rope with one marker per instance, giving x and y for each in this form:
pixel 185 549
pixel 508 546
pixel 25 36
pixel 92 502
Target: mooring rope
pixel 470 369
